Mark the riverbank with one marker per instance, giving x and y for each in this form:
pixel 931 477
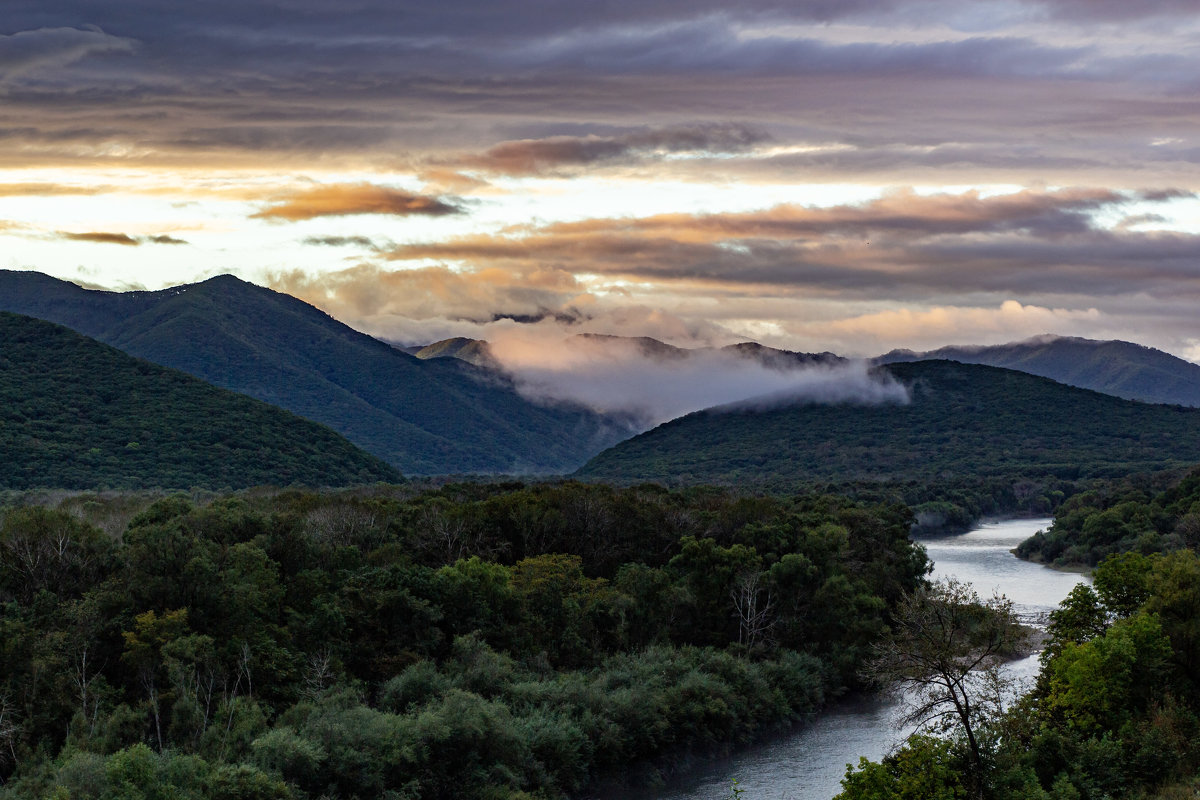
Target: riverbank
pixel 808 764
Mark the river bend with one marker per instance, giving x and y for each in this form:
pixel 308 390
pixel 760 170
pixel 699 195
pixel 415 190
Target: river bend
pixel 809 764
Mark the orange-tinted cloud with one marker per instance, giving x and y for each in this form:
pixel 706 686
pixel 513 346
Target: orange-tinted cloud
pixel 104 237
pixel 900 213
pixel 49 190
pixel 368 292
pixel 902 245
pixel 358 198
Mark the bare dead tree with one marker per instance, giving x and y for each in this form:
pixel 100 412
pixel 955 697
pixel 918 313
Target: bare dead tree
pixel 318 674
pixel 9 730
pixel 339 524
pixel 753 606
pixel 945 653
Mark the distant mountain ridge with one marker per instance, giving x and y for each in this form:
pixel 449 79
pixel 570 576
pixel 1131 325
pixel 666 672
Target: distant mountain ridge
pixel 423 417
pixel 78 414
pixel 964 420
pixel 473 351
pixel 478 352
pixel 1122 369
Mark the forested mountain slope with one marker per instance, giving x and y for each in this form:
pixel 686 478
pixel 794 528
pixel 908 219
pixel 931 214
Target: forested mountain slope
pixel 423 417
pixel 1113 367
pixel 75 413
pixel 963 420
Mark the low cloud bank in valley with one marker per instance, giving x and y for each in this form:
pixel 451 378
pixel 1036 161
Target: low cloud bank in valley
pixel 849 382
pixel 655 384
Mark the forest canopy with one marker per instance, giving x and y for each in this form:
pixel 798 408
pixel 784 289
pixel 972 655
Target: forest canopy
pixel 470 641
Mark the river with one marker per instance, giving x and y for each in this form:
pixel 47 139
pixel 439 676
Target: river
pixel 810 763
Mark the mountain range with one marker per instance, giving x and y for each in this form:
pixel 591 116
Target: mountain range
pixel 962 420
pixel 478 351
pixel 1123 369
pixel 78 414
pixel 450 407
pixel 421 416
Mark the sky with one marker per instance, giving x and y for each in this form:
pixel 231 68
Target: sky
pixel 819 175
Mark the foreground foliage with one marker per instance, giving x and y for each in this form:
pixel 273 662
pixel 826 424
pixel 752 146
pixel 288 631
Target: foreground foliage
pixel 1115 712
pixel 472 641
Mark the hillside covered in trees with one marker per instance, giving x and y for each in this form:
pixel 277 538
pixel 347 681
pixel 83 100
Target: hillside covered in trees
pixel 1135 514
pixel 1123 369
pixel 422 417
pixel 963 422
pixel 1115 712
pixel 77 414
pixel 469 642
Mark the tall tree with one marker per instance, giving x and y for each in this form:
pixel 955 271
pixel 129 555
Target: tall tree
pixel 944 653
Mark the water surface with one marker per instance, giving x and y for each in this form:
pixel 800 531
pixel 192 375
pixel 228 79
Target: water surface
pixel 810 763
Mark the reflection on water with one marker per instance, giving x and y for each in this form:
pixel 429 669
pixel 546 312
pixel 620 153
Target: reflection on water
pixel 809 764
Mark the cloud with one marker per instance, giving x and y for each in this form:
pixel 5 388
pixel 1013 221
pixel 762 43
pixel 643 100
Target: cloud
pixel 847 383
pixel 102 238
pixel 903 245
pixel 527 157
pixel 361 198
pixel 922 329
pixel 623 376
pixel 575 86
pixel 901 212
pixel 620 375
pixel 364 242
pixel 99 237
pixel 50 190
pixel 44 49
pixel 371 296
pixel 420 306
pixel 1104 10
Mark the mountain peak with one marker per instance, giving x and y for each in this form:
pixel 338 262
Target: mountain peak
pixel 1115 367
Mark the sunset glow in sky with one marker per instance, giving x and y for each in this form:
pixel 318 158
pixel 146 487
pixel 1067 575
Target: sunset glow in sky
pixel 845 175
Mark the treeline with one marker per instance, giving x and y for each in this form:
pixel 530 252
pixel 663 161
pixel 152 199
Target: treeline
pixel 1115 712
pixel 1143 514
pixel 470 641
pixel 951 504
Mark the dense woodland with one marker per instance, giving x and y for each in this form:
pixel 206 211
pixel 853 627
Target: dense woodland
pixel 964 423
pixel 1115 712
pixel 469 641
pixel 77 414
pixel 1143 514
